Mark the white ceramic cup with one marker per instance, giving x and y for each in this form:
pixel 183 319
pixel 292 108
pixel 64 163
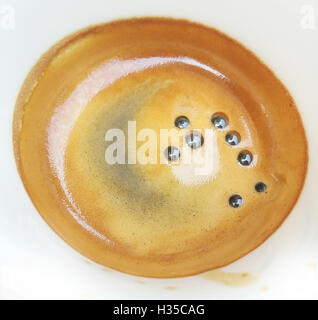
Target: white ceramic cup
pixel 36 263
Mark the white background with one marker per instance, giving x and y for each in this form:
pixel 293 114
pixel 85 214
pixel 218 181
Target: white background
pixel 35 263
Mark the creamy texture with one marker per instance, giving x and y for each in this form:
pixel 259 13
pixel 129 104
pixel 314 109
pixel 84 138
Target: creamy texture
pixel 163 219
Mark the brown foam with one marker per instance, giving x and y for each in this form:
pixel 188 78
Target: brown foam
pixel 154 220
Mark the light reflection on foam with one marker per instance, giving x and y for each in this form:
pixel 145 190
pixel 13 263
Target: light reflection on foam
pixel 248 141
pixel 65 116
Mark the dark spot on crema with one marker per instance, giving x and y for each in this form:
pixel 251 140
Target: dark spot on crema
pixel 260 187
pixel 233 138
pixel 219 120
pixel 182 122
pixel 235 201
pixel 172 153
pixel 245 158
pixel 194 140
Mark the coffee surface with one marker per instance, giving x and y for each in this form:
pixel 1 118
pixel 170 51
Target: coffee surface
pixel 153 213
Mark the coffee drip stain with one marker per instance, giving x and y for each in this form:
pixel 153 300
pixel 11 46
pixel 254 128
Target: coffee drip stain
pixel 170 288
pixel 236 279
